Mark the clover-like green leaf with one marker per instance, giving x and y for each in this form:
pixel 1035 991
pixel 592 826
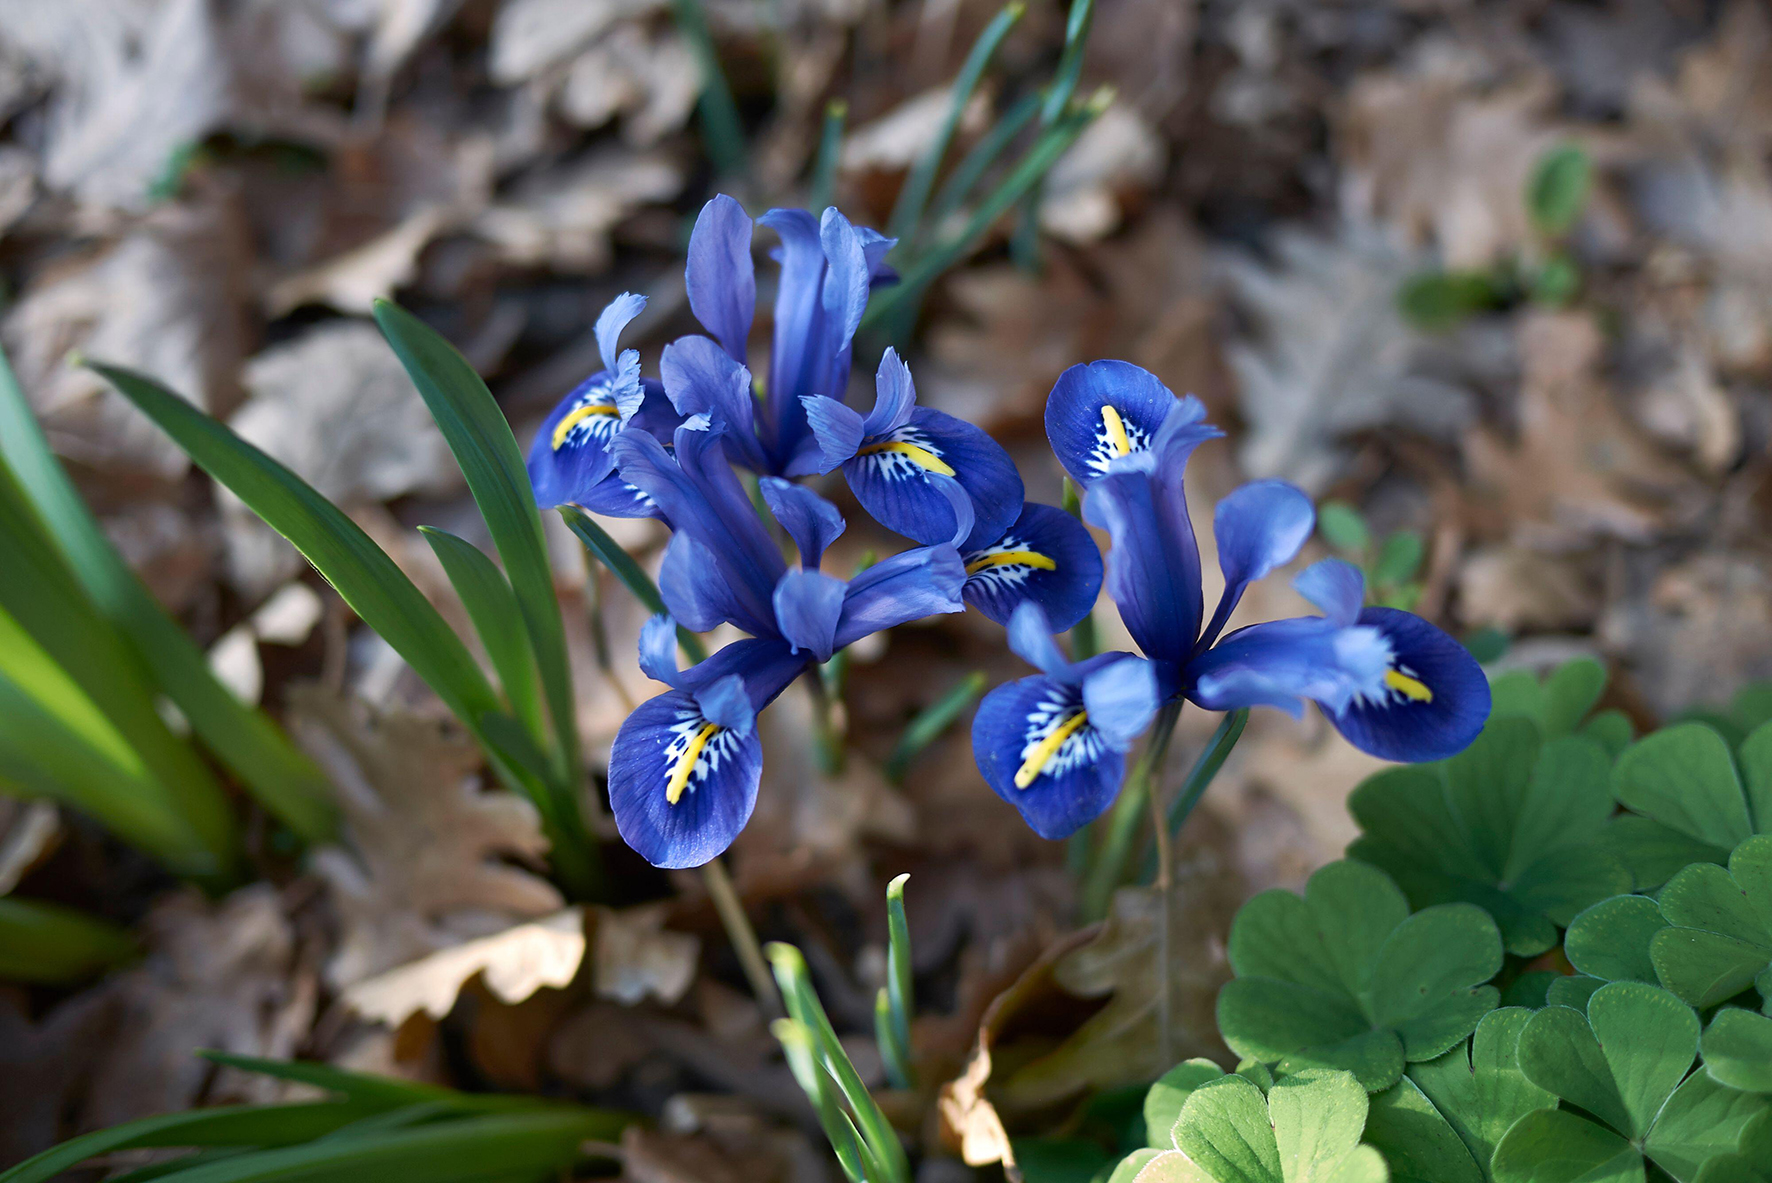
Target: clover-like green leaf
pixel 1162 1104
pixel 1626 1063
pixel 1751 1162
pixel 1478 1086
pixel 1610 940
pixel 1690 804
pixel 1737 1050
pixel 1416 1139
pixel 1720 937
pixel 1346 978
pixel 1305 1130
pixel 1559 704
pixel 1511 824
pixel 1572 991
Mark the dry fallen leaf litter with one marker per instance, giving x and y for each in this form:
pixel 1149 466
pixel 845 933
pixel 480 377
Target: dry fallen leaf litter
pixel 215 194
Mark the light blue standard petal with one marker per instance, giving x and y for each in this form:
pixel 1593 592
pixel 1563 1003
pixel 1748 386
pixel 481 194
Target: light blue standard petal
pixel 1153 562
pixel 1030 638
pixel 894 395
pixel 1036 748
pixel 1336 586
pixel 726 703
pixel 681 786
pixel 658 651
pixel 906 587
pixel 894 478
pixel 1047 558
pixel 811 521
pixel 1106 409
pixel 1258 527
pixel 700 594
pixel 808 605
pixel 700 379
pixel 1435 697
pixel 1121 698
pixel 720 277
pixel 838 430
pixel 611 321
pixel 1282 662
pixel 847 281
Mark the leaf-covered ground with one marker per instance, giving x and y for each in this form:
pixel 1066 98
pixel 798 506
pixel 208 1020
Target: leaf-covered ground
pixel 1325 220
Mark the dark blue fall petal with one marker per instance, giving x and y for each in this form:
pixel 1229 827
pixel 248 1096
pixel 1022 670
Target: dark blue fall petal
pixel 1107 409
pixel 1048 558
pixel 1035 747
pixel 906 587
pixel 680 785
pixel 571 453
pixel 721 279
pixel 894 478
pixel 1435 698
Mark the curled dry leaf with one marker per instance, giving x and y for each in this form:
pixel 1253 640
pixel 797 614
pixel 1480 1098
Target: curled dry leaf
pixel 1119 156
pixel 514 964
pixel 636 958
pixel 562 218
pixel 649 77
pixel 165 299
pixel 229 975
pixel 427 862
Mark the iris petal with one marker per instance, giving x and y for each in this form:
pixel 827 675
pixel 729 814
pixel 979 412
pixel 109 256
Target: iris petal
pixel 681 786
pixel 1258 527
pixel 811 521
pixel 837 429
pixel 1153 564
pixel 808 605
pixel 1282 662
pixel 720 277
pixel 893 476
pixel 1037 750
pixel 1334 585
pixel 1107 409
pixel 1046 557
pixel 571 454
pixel 908 586
pixel 1121 697
pixel 1435 700
pixel 701 379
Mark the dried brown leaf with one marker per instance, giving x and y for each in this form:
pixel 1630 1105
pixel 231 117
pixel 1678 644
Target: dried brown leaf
pixel 636 958
pixel 427 863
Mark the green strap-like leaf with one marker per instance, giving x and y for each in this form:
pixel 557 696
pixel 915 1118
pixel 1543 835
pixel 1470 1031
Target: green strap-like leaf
pixel 375 588
pixel 282 780
pixel 481 439
pixel 492 607
pixel 42 942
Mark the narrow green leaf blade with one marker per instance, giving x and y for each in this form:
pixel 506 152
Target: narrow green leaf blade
pixel 42 942
pixel 492 607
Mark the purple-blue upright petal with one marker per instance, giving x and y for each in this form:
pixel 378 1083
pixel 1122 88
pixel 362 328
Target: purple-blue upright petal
pixel 1336 586
pixel 808 605
pixel 1260 526
pixel 894 395
pixel 1282 662
pixel 699 594
pixel 1435 698
pixel 701 379
pixel 837 429
pixel 611 321
pixel 908 586
pixel 658 650
pixel 721 279
pixel 894 476
pixel 1046 558
pixel 846 283
pixel 681 786
pixel 1035 747
pixel 1106 409
pixel 811 521
pixel 1121 698
pixel 1153 563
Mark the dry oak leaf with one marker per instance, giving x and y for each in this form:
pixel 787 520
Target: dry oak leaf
pixel 514 964
pixel 637 958
pixel 1157 1014
pixel 429 852
pixel 1579 469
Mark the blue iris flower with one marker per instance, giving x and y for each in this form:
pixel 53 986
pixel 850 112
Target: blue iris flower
pixel 828 267
pixel 570 462
pixel 685 766
pixel 1053 745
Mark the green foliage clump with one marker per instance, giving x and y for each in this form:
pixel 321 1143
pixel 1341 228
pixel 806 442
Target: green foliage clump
pixel 1429 971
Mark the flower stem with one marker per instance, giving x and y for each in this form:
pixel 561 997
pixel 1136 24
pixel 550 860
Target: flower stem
pixel 1109 868
pixel 742 935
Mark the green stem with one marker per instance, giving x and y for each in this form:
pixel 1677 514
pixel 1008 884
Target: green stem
pixel 1199 777
pixel 830 153
pixel 1085 641
pixel 1109 869
pixel 827 735
pixel 930 722
pixel 742 935
pixel 622 565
